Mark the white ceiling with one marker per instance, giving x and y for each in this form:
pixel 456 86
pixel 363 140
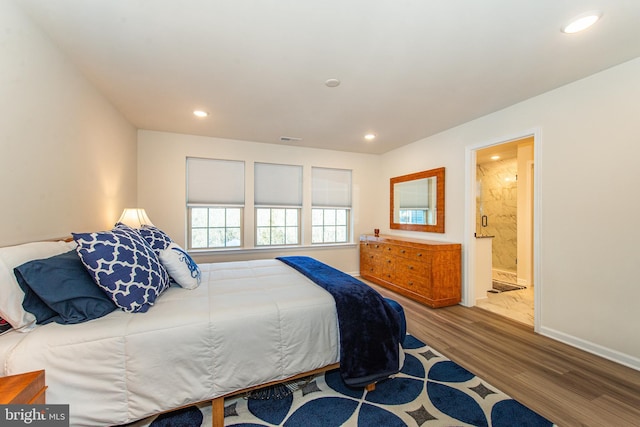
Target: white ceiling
pixel 408 68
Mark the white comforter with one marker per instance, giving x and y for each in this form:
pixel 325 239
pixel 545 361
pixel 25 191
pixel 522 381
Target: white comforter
pixel 248 323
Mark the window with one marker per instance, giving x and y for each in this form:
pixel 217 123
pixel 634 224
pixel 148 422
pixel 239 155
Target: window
pixel 329 225
pixel 277 226
pixel 215 227
pixel 215 203
pixel 278 202
pixel 413 216
pixel 331 205
pixel 412 201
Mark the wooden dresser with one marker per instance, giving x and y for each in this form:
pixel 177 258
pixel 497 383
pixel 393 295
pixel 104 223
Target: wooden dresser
pixel 423 270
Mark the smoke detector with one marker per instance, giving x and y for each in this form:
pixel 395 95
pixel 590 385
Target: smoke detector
pixel 332 83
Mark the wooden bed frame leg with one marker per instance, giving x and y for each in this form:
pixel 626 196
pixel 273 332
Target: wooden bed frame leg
pixel 217 412
pixel 368 387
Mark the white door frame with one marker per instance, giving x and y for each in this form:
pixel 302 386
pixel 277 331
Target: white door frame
pixel 468 292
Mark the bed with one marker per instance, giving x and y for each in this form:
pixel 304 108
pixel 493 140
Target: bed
pixel 247 324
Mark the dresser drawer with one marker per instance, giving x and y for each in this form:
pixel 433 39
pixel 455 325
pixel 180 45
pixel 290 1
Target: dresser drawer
pixel 413 254
pixel 374 247
pixel 371 263
pixel 412 269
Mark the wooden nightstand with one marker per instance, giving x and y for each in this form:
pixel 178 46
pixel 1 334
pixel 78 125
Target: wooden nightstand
pixel 27 388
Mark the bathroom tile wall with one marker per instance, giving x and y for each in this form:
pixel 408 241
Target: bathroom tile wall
pixel 498 196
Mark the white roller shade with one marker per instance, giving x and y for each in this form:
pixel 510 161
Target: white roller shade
pixel 277 185
pixel 331 187
pixel 215 182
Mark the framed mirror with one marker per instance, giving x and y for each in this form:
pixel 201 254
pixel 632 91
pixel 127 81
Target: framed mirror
pixel 417 201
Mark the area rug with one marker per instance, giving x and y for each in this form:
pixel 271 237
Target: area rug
pixel 431 390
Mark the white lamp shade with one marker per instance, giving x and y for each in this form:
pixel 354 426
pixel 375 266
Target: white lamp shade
pixel 134 217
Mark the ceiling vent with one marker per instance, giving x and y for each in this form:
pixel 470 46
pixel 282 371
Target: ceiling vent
pixel 289 139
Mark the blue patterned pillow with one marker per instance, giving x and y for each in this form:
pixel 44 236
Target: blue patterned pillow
pixel 124 266
pixel 156 238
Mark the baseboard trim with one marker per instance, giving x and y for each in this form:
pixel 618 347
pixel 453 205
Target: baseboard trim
pixel 598 350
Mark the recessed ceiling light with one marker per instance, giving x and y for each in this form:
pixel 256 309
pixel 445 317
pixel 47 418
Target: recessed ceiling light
pixel 200 113
pixel 370 136
pixel 332 83
pixel 582 22
pixel 495 157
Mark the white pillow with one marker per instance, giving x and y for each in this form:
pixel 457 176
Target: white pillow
pixel 181 267
pixel 11 295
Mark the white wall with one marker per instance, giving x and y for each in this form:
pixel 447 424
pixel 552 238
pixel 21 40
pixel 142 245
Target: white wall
pixel 161 186
pixel 67 157
pixel 588 150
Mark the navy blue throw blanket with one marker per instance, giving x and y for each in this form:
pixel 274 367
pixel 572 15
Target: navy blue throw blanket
pixel 369 326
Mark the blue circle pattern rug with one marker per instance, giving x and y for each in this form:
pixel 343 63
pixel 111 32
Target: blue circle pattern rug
pixel 431 390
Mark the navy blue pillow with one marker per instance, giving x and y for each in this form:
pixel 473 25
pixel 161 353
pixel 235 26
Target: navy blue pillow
pixel 59 289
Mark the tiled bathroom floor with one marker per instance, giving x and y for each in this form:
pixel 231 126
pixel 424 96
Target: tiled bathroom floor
pixel 516 305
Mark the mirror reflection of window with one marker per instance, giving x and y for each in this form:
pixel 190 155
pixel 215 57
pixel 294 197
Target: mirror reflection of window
pixel 415 202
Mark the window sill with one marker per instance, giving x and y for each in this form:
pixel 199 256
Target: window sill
pixel 264 249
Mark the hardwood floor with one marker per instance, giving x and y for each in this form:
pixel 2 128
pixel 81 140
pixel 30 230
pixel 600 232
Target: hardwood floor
pixel 567 386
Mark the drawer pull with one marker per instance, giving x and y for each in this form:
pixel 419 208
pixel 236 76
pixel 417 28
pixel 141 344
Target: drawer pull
pixel 403 251
pixel 377 246
pixel 388 249
pixel 410 283
pixel 419 254
pixel 411 267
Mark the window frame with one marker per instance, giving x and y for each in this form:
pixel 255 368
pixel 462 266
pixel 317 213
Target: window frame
pixel 271 227
pixel 226 228
pixel 332 189
pixel 412 213
pixel 324 226
pixel 268 176
pixel 200 194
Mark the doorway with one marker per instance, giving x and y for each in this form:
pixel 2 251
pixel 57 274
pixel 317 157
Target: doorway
pixel 504 230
